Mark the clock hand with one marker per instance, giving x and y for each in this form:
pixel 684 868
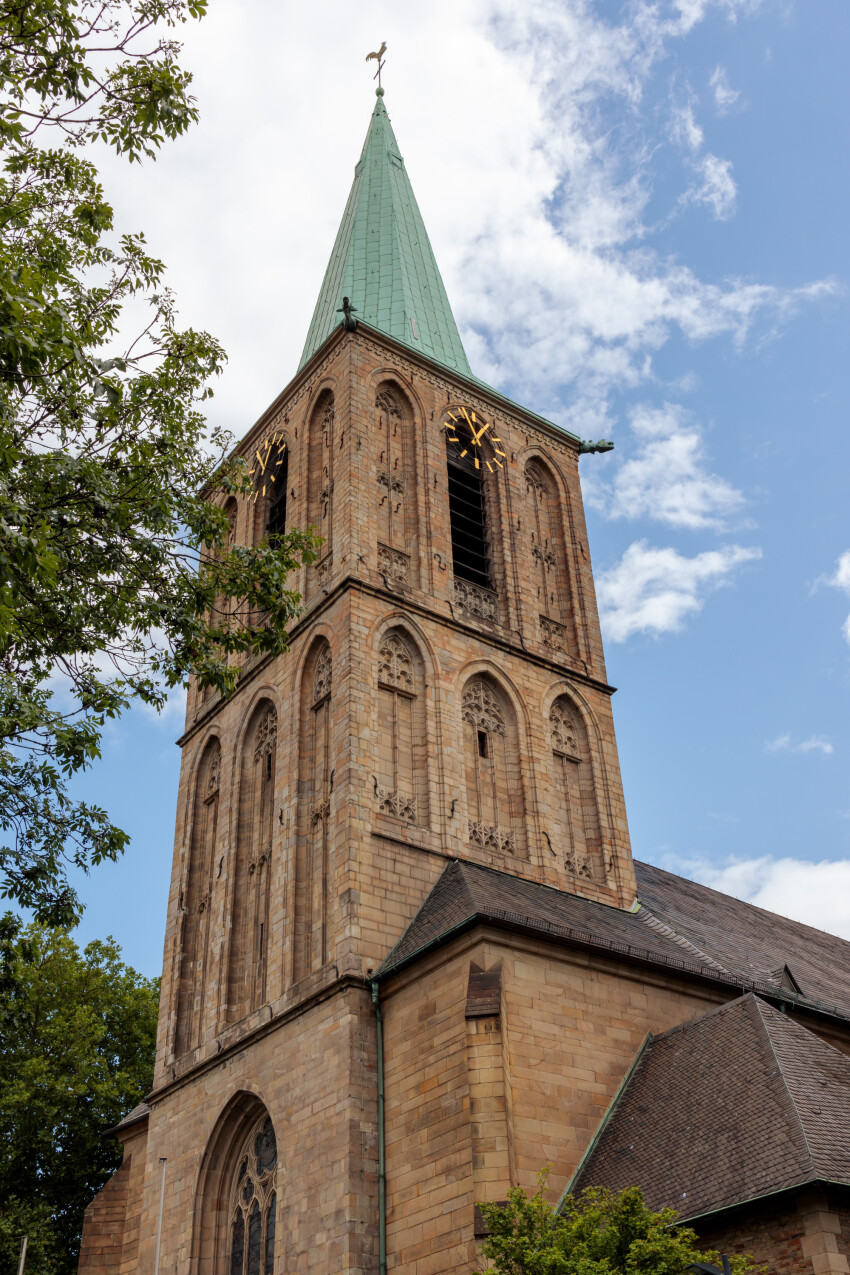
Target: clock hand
pixel 476 438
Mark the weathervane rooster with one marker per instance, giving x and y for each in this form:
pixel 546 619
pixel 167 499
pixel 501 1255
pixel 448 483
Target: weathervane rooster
pixel 379 59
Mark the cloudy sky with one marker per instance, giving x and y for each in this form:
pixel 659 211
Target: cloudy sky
pixel 640 213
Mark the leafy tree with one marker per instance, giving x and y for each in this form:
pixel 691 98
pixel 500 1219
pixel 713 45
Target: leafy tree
pixel 597 1232
pixel 116 579
pixel 77 1040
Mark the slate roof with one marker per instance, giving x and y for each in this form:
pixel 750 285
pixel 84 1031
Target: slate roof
pixel 383 262
pixel 139 1112
pixel 738 1104
pixel 678 925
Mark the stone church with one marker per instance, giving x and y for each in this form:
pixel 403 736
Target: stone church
pixel 409 958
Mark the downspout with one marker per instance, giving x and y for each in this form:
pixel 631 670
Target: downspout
pixel 382 1166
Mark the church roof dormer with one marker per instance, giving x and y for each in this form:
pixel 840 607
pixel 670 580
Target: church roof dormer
pixel 383 262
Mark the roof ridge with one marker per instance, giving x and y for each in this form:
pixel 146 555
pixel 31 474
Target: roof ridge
pixel 663 927
pixel 766 1034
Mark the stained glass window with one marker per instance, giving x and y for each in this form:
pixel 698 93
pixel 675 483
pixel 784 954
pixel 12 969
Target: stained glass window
pixel 252 1203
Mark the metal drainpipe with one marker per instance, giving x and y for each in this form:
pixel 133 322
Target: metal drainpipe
pixel 382 1167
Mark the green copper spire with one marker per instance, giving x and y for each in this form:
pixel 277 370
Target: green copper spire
pixel 382 259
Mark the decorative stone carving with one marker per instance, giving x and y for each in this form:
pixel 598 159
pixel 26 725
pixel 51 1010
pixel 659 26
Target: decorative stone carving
pixel 491 836
pixel 322 677
pixel 534 480
pixel 214 775
pixel 395 667
pixel 204 902
pixel 390 482
pixel 544 556
pixel 324 568
pixel 259 862
pixel 554 634
pixel 387 402
pixel 482 709
pixel 320 810
pixel 325 498
pixel 266 734
pixel 394 564
pixel 395 803
pixel 473 600
pixel 579 865
pixel 564 731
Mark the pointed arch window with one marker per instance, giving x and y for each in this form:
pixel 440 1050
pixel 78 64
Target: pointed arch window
pixel 277 496
pixel 495 805
pixel 249 935
pixel 320 485
pixel 398 544
pixel 468 518
pixel 401 781
pixel 197 902
pixel 253 1204
pixel 579 815
pixel 549 558
pixel 315 787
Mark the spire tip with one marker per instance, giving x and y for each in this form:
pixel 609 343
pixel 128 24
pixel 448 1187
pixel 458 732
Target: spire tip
pixel 379 92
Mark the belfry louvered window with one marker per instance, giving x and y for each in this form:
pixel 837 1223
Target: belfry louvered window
pixel 253 1203
pixel 467 513
pixel 276 516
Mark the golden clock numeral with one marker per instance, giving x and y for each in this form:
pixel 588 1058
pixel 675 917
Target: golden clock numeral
pixel 463 453
pixel 489 466
pixel 477 466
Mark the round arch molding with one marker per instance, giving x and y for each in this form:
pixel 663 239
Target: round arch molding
pixel 224 1177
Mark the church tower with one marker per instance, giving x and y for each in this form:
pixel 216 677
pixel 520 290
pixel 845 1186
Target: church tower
pixel 443 711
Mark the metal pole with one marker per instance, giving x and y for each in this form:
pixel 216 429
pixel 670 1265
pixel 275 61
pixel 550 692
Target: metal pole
pixel 163 1162
pixel 22 1259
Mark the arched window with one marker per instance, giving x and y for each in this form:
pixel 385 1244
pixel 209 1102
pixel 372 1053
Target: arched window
pixel 401 781
pixel 278 467
pixel 253 1204
pixel 580 840
pixel 249 936
pixel 474 520
pixel 398 550
pixel 314 793
pixel 549 558
pixel 197 902
pixel 494 797
pixel 320 486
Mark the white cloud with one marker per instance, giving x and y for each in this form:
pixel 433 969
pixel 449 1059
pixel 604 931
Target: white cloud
pixel 784 744
pixel 557 290
pixel 717 188
pixel 654 590
pixel 666 480
pixel 840 579
pixel 725 96
pixel 815 893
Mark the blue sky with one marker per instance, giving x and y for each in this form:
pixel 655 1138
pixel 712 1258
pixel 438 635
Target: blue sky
pixel 640 212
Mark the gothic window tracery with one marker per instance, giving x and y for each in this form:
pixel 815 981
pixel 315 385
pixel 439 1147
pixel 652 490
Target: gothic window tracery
pixel 253 1204
pixel 495 804
pixel 579 837
pixel 401 781
pixel 398 540
pixel 252 866
pixel 195 945
pixel 315 789
pixel 549 557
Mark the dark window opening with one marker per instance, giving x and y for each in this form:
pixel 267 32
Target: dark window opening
pixel 469 528
pixel 482 743
pixel 276 519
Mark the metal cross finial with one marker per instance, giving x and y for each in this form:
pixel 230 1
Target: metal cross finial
pixel 379 59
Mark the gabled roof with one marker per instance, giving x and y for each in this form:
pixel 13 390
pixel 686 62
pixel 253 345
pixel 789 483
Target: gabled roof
pixel 678 925
pixel 383 262
pixel 733 1106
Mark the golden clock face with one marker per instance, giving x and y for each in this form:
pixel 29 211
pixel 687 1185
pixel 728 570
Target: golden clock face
pixel 467 433
pixel 267 462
